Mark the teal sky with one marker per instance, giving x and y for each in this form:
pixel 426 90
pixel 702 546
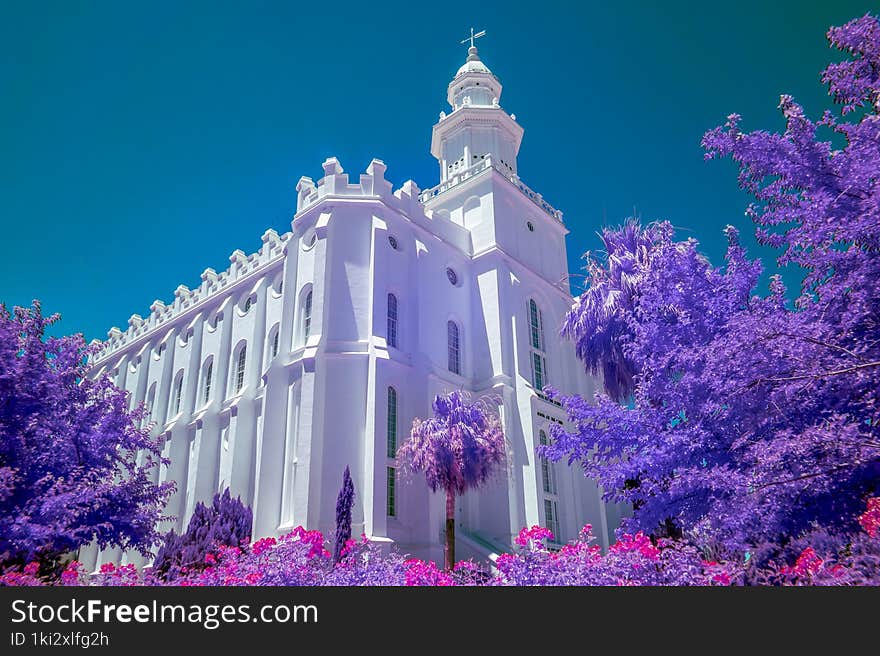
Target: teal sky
pixel 140 144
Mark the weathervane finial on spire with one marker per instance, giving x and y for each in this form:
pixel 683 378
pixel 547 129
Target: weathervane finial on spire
pixel 473 37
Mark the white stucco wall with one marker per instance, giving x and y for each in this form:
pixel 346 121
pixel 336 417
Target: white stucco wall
pixel 281 442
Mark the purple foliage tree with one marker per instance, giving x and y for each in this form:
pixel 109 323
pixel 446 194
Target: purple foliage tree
pixel 344 502
pixel 751 422
pixel 70 472
pixel 599 322
pixel 458 449
pixel 226 522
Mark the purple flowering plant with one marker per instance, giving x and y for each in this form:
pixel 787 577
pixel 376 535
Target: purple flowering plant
pixel 458 449
pixel 69 470
pixel 739 421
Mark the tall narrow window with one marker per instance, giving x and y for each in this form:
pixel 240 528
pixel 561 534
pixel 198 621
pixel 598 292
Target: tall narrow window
pixel 178 391
pixel 392 320
pixel 151 401
pixel 209 371
pixel 538 377
pixel 392 422
pixel 551 517
pixel 551 498
pixel 453 340
pixel 306 316
pixel 536 341
pixel 391 484
pixel 548 475
pixel 275 343
pixel 239 369
pixel 536 324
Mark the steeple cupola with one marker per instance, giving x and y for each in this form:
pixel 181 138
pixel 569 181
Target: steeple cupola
pixel 477 129
pixel 474 84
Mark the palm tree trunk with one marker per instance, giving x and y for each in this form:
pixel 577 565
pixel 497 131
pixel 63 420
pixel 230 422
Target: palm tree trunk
pixel 449 550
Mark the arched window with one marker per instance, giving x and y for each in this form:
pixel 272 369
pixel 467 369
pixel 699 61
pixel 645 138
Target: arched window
pixel 392 422
pixel 392 320
pixel 239 368
pixel 536 341
pixel 209 372
pixel 306 314
pixel 453 342
pixel 178 391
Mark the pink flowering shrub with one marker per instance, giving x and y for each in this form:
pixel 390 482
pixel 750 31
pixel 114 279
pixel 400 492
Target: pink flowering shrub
pixel 301 558
pixel 421 573
pixel 24 576
pixel 632 560
pixel 870 519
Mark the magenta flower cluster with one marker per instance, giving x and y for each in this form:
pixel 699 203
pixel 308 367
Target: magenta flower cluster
pixel 301 558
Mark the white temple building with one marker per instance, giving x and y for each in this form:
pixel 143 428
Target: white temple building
pixel 318 350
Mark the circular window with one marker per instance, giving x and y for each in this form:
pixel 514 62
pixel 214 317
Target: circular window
pixel 247 305
pixel 309 239
pixel 530 226
pixel 452 275
pixel 393 241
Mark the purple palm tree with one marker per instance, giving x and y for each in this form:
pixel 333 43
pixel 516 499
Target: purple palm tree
pixel 597 322
pixel 458 449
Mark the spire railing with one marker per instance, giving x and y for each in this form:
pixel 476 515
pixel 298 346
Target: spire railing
pixel 483 165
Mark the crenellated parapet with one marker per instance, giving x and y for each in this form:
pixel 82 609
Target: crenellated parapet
pixel 212 284
pixel 372 186
pixel 335 183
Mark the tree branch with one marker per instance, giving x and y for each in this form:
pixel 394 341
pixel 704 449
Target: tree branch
pixel 824 374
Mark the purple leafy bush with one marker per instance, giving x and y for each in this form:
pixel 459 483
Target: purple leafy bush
pixel 343 515
pixel 225 523
pixel 69 467
pixel 300 558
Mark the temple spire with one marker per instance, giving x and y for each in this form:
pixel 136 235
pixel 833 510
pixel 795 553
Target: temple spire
pixel 478 131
